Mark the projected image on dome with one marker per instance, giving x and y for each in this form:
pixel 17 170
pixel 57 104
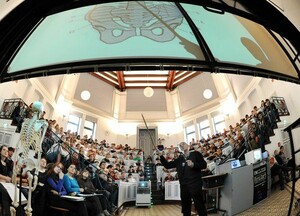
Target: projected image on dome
pixel 144 29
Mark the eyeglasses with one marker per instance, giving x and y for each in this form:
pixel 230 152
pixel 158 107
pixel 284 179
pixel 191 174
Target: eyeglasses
pixel 59 167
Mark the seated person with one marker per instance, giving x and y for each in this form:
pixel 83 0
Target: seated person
pixel 277 169
pixel 131 169
pixel 108 184
pixel 92 163
pixel 141 173
pixel 284 158
pixel 219 155
pixel 72 187
pixel 5 176
pixel 130 178
pixel 123 176
pixel 55 189
pixel 85 182
pixel 38 195
pixel 169 177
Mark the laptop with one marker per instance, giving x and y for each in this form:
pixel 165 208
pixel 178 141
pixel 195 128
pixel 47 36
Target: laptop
pixel 235 164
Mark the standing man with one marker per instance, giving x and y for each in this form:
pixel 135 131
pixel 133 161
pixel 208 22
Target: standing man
pixel 189 166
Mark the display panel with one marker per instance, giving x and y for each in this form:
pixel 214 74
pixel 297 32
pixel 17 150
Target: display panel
pixel 147 30
pixel 117 30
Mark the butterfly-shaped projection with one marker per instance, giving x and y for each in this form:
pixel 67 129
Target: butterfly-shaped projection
pixel 123 20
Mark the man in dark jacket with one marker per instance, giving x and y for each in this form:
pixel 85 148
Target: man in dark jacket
pixel 17 119
pixel 189 166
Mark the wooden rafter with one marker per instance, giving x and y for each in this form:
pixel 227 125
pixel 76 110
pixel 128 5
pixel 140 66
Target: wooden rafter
pixel 145 81
pixel 146 75
pixel 121 81
pixel 187 78
pixel 180 74
pixel 170 81
pixel 142 87
pixel 104 79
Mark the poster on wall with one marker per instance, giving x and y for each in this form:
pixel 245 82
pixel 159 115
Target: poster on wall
pixel 281 106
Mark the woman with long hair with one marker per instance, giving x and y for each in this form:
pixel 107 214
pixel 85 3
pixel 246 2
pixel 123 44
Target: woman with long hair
pixel 72 187
pixel 56 189
pixel 5 176
pixel 85 182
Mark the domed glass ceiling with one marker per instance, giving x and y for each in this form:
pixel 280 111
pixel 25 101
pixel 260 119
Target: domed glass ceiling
pixel 129 33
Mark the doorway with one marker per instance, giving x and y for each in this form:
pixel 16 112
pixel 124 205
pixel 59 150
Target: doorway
pixel 144 140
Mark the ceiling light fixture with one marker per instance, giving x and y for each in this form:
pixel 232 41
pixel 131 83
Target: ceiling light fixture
pixel 148 91
pixel 207 94
pixel 85 95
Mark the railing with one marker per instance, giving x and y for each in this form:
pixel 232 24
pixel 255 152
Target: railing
pixel 289 129
pixel 9 106
pixel 51 148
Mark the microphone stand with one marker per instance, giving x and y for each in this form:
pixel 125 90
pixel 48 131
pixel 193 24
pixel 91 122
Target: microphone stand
pixel 229 155
pixel 152 141
pixel 224 160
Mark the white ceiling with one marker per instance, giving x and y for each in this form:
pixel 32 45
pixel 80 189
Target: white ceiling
pixel 101 93
pixel 190 96
pixel 191 92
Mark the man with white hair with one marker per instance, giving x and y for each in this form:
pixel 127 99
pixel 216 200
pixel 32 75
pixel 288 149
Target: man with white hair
pixel 189 166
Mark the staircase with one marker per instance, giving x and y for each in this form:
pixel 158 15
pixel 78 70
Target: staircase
pixel 156 191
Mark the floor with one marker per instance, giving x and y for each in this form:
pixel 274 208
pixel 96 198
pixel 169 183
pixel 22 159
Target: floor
pixel 275 205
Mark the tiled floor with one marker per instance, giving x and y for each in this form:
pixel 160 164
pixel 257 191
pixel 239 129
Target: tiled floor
pixel 275 205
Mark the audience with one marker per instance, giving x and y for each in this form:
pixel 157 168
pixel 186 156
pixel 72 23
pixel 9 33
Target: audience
pixel 56 189
pixel 101 163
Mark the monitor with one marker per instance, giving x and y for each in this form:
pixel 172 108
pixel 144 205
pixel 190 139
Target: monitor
pixel 235 164
pixel 143 184
pixel 257 155
pixel 265 155
pixel 253 156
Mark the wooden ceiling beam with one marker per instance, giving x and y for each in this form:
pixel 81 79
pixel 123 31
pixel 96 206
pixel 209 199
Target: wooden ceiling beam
pixel 104 80
pixel 121 81
pixel 187 78
pixel 169 84
pixel 146 75
pixel 181 74
pixel 106 75
pixel 113 74
pixel 142 87
pixel 170 80
pixel 145 81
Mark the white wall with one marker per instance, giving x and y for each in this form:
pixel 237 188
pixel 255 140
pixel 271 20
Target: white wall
pixel 112 130
pixel 265 88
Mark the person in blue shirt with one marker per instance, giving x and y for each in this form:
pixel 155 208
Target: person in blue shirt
pixel 55 189
pixel 72 187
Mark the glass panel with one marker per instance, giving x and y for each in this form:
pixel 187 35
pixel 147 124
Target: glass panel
pixel 220 127
pixel 205 132
pixel 219 118
pixel 204 124
pixel 236 40
pixel 88 132
pixel 109 31
pixel 190 129
pixel 190 137
pixel 72 127
pixel 89 124
pixel 74 119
